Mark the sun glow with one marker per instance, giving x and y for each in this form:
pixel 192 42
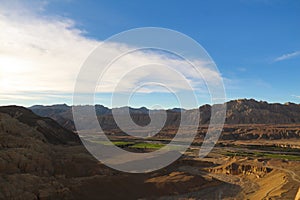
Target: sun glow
pixel 11 69
pixel 11 64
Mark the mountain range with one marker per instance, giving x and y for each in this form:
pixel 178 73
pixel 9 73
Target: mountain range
pixel 242 111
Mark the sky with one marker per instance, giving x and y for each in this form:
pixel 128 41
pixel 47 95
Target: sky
pixel 254 44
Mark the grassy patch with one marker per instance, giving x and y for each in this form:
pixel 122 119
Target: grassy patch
pixel 147 146
pixel 272 148
pixel 138 145
pixel 122 143
pixel 282 156
pixel 264 155
pixel 116 143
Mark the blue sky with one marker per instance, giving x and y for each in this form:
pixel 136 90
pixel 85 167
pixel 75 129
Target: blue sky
pixel 255 44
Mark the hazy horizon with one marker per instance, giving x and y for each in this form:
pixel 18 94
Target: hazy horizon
pixel 164 108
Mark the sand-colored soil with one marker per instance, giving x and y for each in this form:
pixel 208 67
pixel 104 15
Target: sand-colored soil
pixel 270 186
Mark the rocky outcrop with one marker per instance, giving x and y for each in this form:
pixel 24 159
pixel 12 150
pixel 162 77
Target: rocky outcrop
pixel 250 111
pixel 237 168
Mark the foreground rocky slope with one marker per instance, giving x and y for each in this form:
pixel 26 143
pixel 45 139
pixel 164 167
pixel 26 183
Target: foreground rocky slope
pixel 39 159
pixel 49 129
pixel 33 163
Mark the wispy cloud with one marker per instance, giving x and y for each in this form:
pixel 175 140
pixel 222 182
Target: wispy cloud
pixel 43 54
pixel 287 56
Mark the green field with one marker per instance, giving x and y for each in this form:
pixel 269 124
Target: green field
pixel 138 145
pixel 264 155
pixel 146 145
pixel 117 143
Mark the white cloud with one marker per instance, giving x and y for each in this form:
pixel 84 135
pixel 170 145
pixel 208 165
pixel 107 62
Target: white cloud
pixel 40 54
pixel 154 71
pixel 287 56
